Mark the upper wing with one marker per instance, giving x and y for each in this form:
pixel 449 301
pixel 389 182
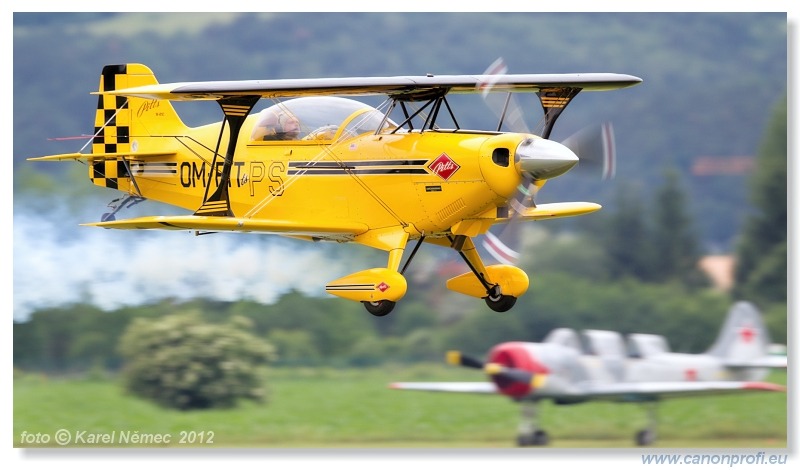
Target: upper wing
pixel 394 86
pixel 655 390
pixel 455 387
pixel 232 224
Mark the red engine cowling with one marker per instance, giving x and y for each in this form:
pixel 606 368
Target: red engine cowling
pixel 516 355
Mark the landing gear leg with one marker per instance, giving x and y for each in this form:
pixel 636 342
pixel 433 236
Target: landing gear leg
pixel 495 298
pixel 528 432
pixel 384 307
pixel 378 289
pixel 647 436
pixel 118 204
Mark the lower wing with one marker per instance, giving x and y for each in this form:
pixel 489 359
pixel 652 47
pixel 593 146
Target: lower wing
pixel 555 210
pixel 234 224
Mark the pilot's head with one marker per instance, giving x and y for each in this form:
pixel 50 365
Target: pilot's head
pixel 289 126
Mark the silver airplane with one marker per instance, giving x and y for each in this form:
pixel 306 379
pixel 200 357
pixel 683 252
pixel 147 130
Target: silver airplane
pixel 567 368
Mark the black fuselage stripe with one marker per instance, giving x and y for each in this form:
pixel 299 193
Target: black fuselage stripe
pixel 355 164
pixel 351 287
pixel 344 171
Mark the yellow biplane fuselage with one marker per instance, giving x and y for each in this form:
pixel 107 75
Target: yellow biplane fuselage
pixel 368 179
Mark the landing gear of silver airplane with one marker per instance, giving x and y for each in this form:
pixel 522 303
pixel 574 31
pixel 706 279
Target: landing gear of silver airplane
pixel 529 433
pixel 647 436
pixel 537 438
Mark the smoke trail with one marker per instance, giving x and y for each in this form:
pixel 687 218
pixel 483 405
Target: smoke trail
pixel 57 262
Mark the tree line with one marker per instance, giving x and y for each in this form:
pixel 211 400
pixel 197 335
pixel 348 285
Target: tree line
pixel 674 116
pixel 634 270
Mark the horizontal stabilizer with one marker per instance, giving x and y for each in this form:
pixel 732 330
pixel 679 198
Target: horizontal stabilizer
pixel 772 362
pixel 100 156
pixel 232 224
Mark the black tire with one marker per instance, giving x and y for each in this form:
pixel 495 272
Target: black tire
pixel 380 308
pixel 501 303
pixel 540 438
pixel 645 437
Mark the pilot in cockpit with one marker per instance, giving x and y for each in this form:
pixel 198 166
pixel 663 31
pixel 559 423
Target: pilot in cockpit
pixel 281 126
pixel 289 127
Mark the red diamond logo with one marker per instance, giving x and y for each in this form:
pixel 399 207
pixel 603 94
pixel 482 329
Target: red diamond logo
pixel 444 166
pixel 382 286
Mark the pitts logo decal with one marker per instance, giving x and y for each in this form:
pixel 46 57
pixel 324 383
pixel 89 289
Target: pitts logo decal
pixel 444 166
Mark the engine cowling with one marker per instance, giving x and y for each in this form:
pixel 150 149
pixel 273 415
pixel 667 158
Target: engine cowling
pixel 520 357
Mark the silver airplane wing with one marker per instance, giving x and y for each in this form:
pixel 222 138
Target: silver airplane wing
pixel 645 391
pixel 453 387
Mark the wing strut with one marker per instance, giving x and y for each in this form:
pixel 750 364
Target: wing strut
pixel 554 100
pixel 236 110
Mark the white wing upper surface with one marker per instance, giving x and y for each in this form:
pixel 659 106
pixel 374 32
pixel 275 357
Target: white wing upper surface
pixel 630 391
pixel 410 86
pixel 453 387
pixel 643 391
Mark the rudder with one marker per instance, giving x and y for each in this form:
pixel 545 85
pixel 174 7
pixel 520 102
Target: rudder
pixel 744 335
pixel 125 125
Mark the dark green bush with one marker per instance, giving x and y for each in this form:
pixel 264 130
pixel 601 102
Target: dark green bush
pixel 181 361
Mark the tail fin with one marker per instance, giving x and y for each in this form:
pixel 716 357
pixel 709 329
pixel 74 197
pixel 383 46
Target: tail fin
pixel 743 337
pixel 128 125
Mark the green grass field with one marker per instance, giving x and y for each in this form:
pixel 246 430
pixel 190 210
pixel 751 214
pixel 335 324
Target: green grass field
pixel 354 408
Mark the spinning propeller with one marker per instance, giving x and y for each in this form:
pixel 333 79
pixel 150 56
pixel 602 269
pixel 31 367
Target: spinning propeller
pixel 500 373
pixel 594 146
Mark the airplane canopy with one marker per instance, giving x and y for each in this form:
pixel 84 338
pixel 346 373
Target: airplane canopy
pixel 316 118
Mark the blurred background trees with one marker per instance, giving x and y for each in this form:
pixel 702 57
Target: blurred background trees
pixel 631 267
pixel 761 274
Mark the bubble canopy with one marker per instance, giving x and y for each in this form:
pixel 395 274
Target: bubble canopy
pixel 317 118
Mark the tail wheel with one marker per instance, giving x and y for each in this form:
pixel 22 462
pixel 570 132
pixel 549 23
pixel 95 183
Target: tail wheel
pixel 380 308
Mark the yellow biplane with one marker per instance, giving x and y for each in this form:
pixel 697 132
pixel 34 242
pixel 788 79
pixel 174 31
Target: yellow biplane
pixel 318 165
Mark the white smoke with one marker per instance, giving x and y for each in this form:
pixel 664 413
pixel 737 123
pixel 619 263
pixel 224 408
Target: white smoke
pixel 57 262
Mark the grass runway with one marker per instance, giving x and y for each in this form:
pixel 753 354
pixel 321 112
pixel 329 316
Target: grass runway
pixel 323 408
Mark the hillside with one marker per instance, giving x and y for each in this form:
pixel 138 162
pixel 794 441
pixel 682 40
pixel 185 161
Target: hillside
pixel 710 80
